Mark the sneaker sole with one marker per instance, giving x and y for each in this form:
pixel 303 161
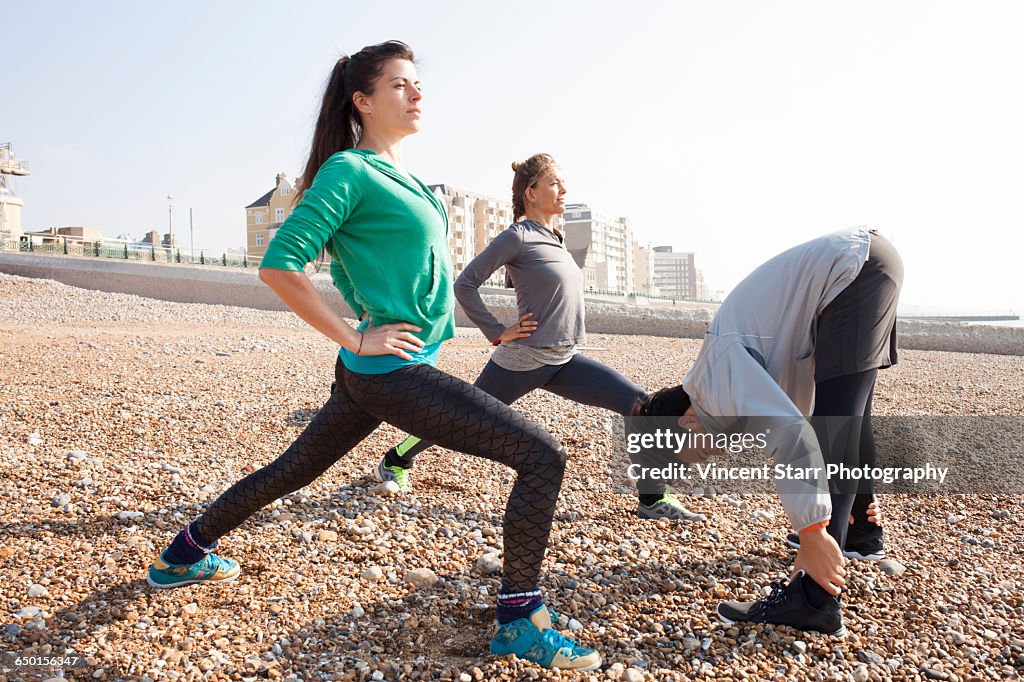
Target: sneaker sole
pixel 589 668
pixel 856 556
pixel 841 632
pixel 160 586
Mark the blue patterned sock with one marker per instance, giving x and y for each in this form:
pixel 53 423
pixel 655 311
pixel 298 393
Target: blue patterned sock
pixel 515 605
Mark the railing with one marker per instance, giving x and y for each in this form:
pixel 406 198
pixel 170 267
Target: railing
pixel 125 251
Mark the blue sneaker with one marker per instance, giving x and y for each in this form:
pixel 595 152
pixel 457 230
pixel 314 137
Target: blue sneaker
pixel 210 568
pixel 533 639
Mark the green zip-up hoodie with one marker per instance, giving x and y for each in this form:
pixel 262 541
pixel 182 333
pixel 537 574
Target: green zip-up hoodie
pixel 388 239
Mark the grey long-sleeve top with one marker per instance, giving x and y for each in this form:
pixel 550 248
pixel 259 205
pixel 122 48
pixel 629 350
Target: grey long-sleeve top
pixel 547 281
pixel 756 365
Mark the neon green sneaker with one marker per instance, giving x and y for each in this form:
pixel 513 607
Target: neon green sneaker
pixel 210 568
pixel 400 475
pixel 533 639
pixel 668 507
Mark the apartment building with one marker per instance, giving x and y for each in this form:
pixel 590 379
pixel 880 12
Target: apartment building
pixel 473 221
pixel 603 248
pixel 643 270
pixel 675 274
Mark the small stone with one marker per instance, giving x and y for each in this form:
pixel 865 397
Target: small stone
pixel 171 469
pixel 465 677
pixel 357 611
pixel 60 500
pixel 891 567
pixel 37 590
pixel 76 455
pixel 377 675
pixel 12 630
pixel 1001 514
pixel 861 674
pixel 129 515
pixel 327 536
pixel 34 439
pixel 633 675
pixel 933 674
pixel 27 612
pixel 870 657
pixel 762 514
pixel 988 543
pixel 488 563
pixel 421 578
pixel 691 644
pixel 800 646
pixel 372 574
pixel 575 624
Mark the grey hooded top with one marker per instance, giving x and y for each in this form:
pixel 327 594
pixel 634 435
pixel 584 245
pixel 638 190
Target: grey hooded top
pixel 755 369
pixel 547 281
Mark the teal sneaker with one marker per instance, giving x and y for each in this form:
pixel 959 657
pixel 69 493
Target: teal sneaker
pixel 668 507
pixel 533 639
pixel 210 568
pixel 400 475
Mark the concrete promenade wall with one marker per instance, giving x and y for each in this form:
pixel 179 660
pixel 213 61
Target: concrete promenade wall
pixel 239 287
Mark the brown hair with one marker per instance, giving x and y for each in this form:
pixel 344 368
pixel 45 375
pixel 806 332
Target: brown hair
pixel 527 173
pixel 338 127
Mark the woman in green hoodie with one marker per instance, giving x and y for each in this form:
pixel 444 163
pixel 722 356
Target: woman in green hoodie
pixel 388 238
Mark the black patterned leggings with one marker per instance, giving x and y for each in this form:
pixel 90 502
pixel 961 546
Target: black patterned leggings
pixel 447 411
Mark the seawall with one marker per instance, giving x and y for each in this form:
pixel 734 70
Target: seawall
pixel 239 287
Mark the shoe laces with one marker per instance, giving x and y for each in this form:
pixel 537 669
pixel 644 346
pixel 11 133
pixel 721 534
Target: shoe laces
pixel 401 474
pixel 555 639
pixel 774 598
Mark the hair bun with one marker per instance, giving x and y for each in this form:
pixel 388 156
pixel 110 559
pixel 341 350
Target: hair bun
pixel 516 165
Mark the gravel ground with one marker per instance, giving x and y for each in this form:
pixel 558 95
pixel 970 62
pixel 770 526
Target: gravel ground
pixel 121 417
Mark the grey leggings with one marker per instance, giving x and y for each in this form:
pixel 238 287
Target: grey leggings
pixel 453 414
pixel 581 380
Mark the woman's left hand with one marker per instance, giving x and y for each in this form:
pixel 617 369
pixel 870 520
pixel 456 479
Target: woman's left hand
pixel 520 330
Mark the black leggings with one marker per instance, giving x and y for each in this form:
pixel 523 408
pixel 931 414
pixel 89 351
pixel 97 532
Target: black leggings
pixel 581 380
pixel 846 438
pixel 447 410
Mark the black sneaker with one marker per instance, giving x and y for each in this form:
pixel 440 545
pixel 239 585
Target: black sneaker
pixel 787 605
pixel 861 544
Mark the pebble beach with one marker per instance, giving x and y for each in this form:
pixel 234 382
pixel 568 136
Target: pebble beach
pixel 122 417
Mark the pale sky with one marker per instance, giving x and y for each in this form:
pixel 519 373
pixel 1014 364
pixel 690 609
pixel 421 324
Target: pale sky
pixel 734 129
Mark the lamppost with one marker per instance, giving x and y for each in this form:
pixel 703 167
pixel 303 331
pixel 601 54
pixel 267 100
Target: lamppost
pixel 170 222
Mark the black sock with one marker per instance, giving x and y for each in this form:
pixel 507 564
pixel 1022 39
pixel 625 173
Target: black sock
pixel 393 459
pixel 188 547
pixel 650 500
pixel 516 605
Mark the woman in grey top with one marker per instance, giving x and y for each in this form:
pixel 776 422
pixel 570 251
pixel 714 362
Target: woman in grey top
pixel 540 349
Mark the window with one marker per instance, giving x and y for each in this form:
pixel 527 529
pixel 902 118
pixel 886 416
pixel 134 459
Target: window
pixel 259 239
pixel 284 190
pixel 278 215
pixel 259 217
